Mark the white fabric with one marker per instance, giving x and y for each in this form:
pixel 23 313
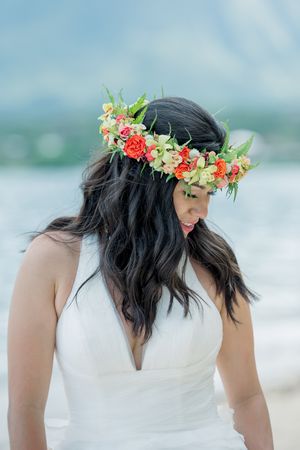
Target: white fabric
pixel 169 404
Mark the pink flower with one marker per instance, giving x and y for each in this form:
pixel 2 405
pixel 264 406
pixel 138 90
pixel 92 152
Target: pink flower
pixel 120 117
pixel 223 182
pixel 124 131
pixel 235 169
pixel 149 150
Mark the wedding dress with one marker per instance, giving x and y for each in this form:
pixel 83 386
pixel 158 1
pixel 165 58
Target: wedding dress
pixel 170 403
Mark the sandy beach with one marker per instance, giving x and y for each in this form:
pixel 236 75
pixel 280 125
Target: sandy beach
pixel 284 409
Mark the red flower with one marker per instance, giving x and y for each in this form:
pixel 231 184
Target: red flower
pixel 135 146
pixel 183 167
pixel 221 171
pixel 184 153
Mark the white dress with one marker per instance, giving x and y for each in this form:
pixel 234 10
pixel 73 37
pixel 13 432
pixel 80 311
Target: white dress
pixel 169 404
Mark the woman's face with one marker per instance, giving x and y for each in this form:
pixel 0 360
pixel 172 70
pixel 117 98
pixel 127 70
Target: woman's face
pixel 190 209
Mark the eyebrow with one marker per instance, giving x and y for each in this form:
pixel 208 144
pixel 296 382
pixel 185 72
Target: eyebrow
pixel 198 186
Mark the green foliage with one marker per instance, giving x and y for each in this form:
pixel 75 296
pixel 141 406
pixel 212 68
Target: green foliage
pixel 244 148
pixel 141 115
pixel 137 105
pixel 232 189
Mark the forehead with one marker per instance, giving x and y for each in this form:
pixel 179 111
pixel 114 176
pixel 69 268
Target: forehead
pixel 196 187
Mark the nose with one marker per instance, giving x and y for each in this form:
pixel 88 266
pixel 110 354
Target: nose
pixel 200 212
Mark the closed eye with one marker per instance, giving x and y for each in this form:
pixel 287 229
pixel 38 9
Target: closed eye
pixel 190 195
pixel 195 196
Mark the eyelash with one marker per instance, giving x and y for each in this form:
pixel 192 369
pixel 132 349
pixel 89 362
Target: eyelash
pixel 195 196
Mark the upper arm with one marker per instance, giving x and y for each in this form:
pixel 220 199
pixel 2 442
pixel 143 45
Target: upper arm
pixel 236 359
pixel 31 327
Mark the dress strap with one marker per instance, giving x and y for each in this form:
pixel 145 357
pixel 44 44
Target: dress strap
pixel 87 263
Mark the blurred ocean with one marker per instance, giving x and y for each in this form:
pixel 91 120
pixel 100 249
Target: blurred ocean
pixel 262 225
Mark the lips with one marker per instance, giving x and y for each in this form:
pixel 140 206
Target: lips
pixel 189 223
pixel 187 227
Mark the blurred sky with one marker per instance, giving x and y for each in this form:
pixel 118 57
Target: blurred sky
pixel 55 56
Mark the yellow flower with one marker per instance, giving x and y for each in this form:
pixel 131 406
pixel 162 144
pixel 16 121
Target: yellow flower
pixel 201 162
pixel 245 162
pixel 108 107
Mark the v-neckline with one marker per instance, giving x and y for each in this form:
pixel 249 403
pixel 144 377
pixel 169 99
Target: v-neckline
pixel 125 338
pixel 123 335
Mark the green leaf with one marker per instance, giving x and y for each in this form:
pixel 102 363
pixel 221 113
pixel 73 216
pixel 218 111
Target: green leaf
pixel 224 148
pixel 111 97
pixel 252 166
pixel 141 115
pixel 153 122
pixel 143 168
pixel 112 156
pixel 244 148
pixel 121 96
pixel 229 157
pixel 137 105
pixel 235 191
pixel 171 175
pixel 187 142
pixel 152 173
pixel 232 189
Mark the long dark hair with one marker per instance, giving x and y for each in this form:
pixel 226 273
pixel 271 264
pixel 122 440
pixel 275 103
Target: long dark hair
pixel 140 238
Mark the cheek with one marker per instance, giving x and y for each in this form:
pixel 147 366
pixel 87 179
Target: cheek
pixel 180 203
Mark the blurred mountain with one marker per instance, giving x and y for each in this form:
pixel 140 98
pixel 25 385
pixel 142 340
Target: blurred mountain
pixel 56 56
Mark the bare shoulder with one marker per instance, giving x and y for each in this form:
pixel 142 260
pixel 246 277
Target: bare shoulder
pixel 57 254
pixel 208 283
pixel 53 248
pixel 55 241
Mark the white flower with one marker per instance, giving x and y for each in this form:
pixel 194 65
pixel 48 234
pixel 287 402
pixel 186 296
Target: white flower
pixel 162 141
pixel 228 168
pixel 120 144
pixel 193 153
pixel 109 123
pixel 138 127
pixel 111 139
pixel 167 158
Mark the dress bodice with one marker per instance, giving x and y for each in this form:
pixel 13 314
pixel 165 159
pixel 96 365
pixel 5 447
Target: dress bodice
pixel 168 404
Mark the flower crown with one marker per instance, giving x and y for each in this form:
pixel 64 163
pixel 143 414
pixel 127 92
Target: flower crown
pixel 124 133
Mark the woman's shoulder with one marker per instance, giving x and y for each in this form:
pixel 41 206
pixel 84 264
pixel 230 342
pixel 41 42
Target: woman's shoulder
pixel 54 250
pixel 56 241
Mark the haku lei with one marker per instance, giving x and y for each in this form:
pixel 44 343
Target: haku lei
pixel 124 133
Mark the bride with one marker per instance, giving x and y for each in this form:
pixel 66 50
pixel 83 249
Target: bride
pixel 139 299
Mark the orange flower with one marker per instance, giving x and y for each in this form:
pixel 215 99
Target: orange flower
pixel 183 167
pixel 221 168
pixel 104 131
pixel 184 153
pixel 135 146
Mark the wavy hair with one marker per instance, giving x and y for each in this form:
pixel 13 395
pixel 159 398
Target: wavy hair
pixel 140 238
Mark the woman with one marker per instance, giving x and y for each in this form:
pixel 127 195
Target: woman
pixel 139 298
